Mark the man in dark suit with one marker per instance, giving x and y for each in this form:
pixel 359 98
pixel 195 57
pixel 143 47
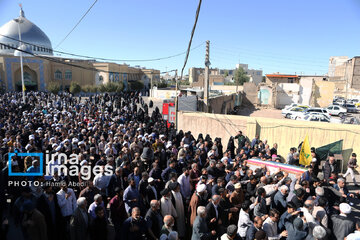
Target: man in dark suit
pixel 343 224
pixel 254 228
pixel 200 227
pixel 80 220
pixel 214 213
pixel 154 219
pixel 48 205
pixel 151 192
pixel 330 166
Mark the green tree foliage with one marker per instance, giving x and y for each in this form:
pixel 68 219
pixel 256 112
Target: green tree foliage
pixel 162 84
pixel 136 85
pixel 112 87
pixel 74 88
pixel 53 87
pixel 226 73
pixel 90 88
pixel 240 76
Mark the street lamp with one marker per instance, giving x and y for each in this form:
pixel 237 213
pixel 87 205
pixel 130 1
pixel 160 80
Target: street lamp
pixel 21 20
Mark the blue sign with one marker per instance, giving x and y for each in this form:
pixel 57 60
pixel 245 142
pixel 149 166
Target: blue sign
pixel 40 155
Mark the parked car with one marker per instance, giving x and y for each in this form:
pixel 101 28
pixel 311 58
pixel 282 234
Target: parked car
pixel 353 101
pixel 318 110
pixel 320 117
pixel 287 113
pixel 350 108
pixel 336 110
pixel 340 101
pixel 296 105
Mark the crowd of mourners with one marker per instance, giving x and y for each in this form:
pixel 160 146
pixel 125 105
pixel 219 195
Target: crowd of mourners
pixel 163 183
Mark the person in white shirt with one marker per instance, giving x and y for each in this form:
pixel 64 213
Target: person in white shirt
pixel 244 220
pixel 184 181
pixel 356 234
pixel 270 226
pixel 67 201
pixel 101 181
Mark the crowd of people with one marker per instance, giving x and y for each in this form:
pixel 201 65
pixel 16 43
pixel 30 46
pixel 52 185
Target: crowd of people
pixel 147 180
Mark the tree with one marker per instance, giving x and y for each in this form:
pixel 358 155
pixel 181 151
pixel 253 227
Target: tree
pixel 162 84
pixel 240 77
pixel 74 88
pixel 53 87
pixel 112 87
pixel 226 73
pixel 136 85
pixel 90 88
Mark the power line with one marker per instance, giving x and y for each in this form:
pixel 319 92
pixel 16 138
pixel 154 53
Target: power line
pixel 108 59
pixel 52 59
pixel 76 24
pixel 192 35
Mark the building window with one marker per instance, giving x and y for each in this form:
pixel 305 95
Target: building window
pixel 101 78
pixel 258 73
pixel 290 80
pixel 58 75
pixel 68 75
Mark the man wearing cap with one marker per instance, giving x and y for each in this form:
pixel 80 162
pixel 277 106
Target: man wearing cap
pixel 199 198
pixel 166 206
pixel 151 192
pixel 237 197
pixel 343 225
pixel 177 201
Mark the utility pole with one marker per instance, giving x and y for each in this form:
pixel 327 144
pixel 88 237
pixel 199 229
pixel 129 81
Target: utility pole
pixel 206 77
pixel 176 100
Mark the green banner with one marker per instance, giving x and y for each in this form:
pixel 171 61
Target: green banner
pixel 335 148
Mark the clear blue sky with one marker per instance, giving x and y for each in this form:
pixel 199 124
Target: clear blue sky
pixel 277 36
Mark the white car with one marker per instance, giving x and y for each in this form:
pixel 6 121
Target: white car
pixel 293 111
pixel 296 105
pixel 336 110
pixel 318 110
pixel 319 117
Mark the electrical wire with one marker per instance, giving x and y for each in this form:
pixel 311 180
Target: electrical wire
pixel 52 59
pixel 76 24
pixel 108 59
pixel 191 37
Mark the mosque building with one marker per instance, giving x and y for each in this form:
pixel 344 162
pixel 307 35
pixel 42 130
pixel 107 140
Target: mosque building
pixel 45 69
